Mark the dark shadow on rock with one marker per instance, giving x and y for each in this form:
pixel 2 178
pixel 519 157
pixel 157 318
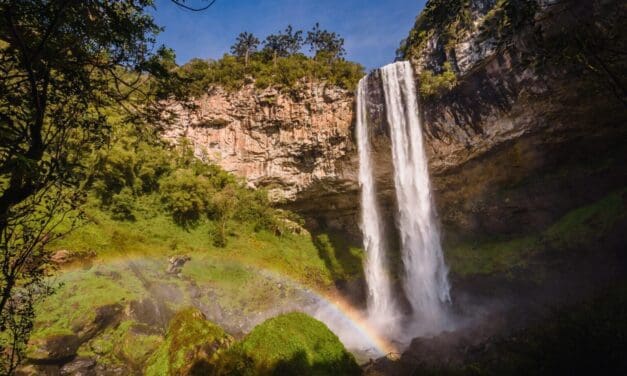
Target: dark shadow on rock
pixel 345 267
pixel 299 365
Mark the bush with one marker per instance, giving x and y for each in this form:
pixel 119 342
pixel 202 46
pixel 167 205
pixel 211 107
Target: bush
pixel 141 176
pixel 290 344
pixel 122 205
pixel 191 346
pixel 432 85
pixel 186 195
pixel 283 72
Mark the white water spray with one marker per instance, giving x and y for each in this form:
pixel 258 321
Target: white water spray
pixel 425 280
pixel 426 283
pixel 381 307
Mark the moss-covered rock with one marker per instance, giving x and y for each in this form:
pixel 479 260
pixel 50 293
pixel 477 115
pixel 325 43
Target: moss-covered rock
pixel 191 347
pixel 290 344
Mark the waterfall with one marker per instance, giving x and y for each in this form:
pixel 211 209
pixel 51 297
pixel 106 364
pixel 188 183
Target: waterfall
pixel 381 306
pixel 425 274
pixel 426 283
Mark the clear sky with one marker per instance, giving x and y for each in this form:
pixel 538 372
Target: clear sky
pixel 372 29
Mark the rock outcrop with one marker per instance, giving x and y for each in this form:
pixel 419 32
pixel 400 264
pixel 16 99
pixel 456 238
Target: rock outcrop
pixel 530 118
pixel 533 127
pixel 287 142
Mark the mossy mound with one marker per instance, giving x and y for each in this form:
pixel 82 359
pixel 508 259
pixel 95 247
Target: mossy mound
pixel 290 344
pixel 191 346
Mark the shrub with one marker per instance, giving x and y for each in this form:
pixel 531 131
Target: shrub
pixel 290 344
pixel 436 84
pixel 191 346
pixel 122 205
pixel 284 72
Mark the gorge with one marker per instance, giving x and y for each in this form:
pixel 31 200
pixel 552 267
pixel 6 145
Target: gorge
pixel 459 211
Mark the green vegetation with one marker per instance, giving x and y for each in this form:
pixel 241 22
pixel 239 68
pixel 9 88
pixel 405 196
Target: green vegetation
pixel 290 344
pixel 192 344
pixel 577 230
pixel 343 260
pixel 284 73
pixel 139 178
pixel 448 21
pixel 435 84
pixel 279 64
pixel 64 64
pixel 452 19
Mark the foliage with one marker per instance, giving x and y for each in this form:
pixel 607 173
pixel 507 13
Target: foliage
pixel 325 44
pixel 245 44
pixel 435 84
pixel 446 22
pixel 190 337
pixel 63 64
pixel 285 73
pixel 139 168
pixel 436 17
pixel 284 43
pixel 577 230
pixel 290 344
pixel 280 64
pixel 343 259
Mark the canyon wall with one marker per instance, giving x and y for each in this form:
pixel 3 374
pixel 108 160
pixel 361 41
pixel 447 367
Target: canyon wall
pixel 531 126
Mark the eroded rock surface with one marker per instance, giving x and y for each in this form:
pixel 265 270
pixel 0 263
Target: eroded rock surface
pixel 285 142
pixel 524 124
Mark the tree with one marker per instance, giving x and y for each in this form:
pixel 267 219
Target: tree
pixel 325 44
pixel 284 43
pixel 63 65
pixel 245 44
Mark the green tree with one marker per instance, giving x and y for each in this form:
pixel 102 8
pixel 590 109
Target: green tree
pixel 325 44
pixel 63 64
pixel 284 43
pixel 245 44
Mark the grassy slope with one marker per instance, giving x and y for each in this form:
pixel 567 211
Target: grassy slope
pixel 577 230
pixel 235 275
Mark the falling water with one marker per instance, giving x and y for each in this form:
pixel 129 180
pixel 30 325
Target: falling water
pixel 381 307
pixel 426 283
pixel 425 274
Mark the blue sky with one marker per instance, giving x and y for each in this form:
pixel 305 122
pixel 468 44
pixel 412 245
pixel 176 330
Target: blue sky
pixel 372 29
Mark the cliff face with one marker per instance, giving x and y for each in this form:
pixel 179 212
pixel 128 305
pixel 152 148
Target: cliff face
pixel 287 143
pixel 533 126
pixel 530 128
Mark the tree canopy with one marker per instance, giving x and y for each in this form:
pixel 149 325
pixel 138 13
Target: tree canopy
pixel 325 43
pixel 63 66
pixel 245 44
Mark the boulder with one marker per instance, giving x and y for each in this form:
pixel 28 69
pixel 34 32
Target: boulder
pixel 54 349
pixel 79 366
pixel 176 263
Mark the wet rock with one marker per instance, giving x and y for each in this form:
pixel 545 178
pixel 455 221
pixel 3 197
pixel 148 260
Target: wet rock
pixel 80 366
pixel 176 263
pixel 149 312
pixel 64 257
pixel 55 349
pixel 106 316
pixel 193 339
pixel 138 344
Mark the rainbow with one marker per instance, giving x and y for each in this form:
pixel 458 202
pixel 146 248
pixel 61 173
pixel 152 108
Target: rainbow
pixel 361 324
pixel 331 299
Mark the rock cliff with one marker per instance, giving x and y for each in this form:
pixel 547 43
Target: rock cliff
pixel 286 142
pixel 530 127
